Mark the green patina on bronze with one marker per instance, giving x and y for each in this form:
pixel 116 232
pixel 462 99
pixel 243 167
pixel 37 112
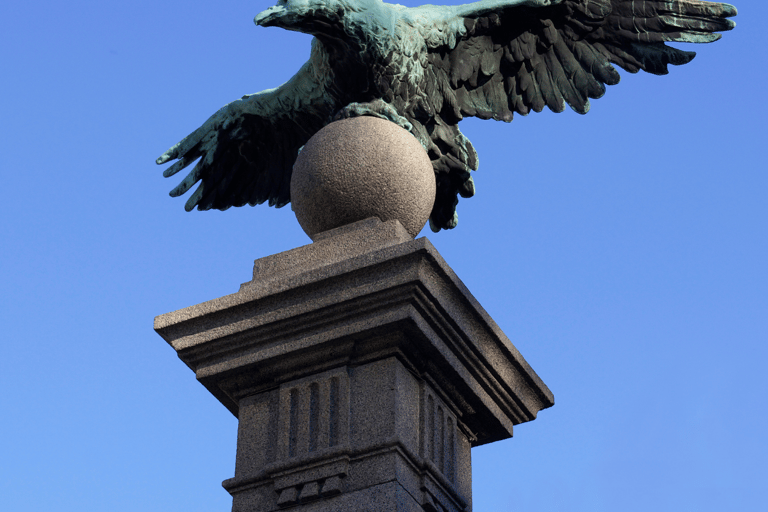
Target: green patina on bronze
pixel 426 68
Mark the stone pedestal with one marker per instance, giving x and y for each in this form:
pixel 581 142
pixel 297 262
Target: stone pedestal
pixel 361 371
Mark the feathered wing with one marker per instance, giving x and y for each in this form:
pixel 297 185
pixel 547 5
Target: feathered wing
pixel 514 56
pixel 246 150
pixel 492 58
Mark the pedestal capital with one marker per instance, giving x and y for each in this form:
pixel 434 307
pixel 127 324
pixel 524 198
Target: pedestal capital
pixel 361 292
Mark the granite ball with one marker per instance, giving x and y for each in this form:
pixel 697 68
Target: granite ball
pixel 358 168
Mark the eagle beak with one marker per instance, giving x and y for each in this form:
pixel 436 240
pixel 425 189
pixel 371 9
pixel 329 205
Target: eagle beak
pixel 268 17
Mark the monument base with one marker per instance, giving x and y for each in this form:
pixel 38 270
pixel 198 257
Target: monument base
pixel 361 371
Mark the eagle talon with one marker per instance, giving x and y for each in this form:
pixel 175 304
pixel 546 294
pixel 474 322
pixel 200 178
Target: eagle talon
pixel 383 110
pixel 377 108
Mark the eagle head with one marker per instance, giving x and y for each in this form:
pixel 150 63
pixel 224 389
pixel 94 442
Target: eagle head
pixel 307 16
pixel 331 18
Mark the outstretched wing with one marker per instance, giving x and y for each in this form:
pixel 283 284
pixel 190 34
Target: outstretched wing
pixel 246 150
pixel 523 55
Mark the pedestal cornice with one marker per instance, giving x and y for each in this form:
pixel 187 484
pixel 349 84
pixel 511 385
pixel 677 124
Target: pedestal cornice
pixel 357 294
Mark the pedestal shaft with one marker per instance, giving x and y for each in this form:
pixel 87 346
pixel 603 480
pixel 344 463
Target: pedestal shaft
pixel 362 371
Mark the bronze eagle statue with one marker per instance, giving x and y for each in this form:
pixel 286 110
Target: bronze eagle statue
pixel 426 68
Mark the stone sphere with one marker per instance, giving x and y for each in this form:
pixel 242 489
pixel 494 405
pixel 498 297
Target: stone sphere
pixel 358 168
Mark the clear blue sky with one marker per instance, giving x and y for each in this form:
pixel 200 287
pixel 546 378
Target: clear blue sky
pixel 625 254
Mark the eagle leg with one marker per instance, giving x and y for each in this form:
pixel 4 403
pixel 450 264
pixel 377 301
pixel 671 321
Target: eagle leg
pixel 383 110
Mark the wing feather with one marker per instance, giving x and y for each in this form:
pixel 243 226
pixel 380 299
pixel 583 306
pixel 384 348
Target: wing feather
pixel 558 52
pixel 247 149
pixel 497 57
